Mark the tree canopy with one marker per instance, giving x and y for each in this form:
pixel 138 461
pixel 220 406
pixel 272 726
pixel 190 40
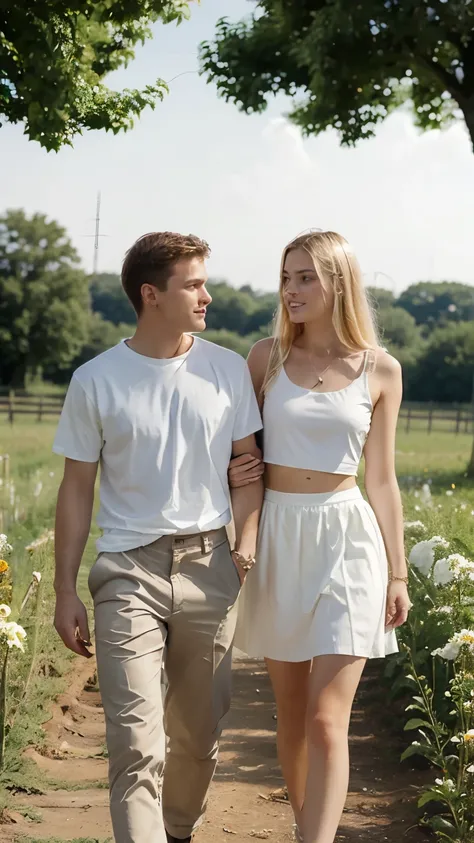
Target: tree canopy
pixel 433 302
pixel 54 55
pixel 44 299
pixel 349 63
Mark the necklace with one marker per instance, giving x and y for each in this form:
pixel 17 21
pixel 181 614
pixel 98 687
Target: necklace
pixel 320 376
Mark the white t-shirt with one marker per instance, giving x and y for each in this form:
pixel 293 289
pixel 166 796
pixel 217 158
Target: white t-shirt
pixel 163 431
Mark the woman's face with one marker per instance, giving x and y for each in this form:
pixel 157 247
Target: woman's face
pixel 304 295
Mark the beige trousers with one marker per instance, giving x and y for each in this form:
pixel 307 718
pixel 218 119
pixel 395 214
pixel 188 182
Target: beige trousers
pixel 180 592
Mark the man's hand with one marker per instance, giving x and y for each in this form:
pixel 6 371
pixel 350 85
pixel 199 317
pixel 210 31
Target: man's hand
pixel 244 470
pixel 71 624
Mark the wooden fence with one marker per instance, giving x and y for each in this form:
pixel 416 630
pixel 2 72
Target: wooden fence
pixel 41 406
pixel 421 417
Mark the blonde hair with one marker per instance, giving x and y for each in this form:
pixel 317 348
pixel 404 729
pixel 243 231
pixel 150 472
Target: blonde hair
pixel 352 316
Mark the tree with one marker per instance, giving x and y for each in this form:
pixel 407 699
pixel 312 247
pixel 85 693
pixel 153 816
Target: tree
pixel 351 63
pixel 54 57
pixel 380 297
pixel 44 300
pixel 101 335
pixel 228 339
pixel 398 328
pixel 445 368
pixel 109 299
pixel 434 302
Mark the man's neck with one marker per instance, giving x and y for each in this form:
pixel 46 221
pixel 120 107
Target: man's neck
pixel 160 345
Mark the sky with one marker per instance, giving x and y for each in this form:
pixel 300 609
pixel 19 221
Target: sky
pixel 248 184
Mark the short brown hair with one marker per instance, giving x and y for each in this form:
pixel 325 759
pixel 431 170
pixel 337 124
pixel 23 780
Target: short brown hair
pixel 152 258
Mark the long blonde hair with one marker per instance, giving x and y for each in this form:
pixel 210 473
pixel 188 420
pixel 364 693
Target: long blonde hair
pixel 352 316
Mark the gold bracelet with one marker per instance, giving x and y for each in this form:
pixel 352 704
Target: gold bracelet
pixel 245 563
pixel 391 578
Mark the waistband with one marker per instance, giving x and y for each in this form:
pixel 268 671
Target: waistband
pixel 185 541
pixel 315 500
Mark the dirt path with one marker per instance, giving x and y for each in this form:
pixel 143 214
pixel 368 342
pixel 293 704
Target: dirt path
pixel 381 804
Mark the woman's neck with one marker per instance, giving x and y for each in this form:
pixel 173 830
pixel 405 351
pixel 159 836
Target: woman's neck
pixel 319 340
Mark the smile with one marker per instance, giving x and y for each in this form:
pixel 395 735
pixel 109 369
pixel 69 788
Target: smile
pixel 293 305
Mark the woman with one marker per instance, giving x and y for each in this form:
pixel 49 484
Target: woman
pixel 330 583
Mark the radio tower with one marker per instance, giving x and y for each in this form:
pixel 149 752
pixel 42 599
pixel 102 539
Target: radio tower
pixel 96 237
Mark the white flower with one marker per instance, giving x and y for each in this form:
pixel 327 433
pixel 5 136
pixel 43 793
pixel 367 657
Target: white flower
pixel 37 576
pixel 454 567
pixel 5 547
pixel 442 572
pixel 5 611
pixel 14 635
pixel 449 493
pixel 455 740
pixel 450 651
pixel 463 506
pixel 470 769
pixel 444 610
pixel 422 554
pixel 38 489
pixel 426 494
pixel 414 525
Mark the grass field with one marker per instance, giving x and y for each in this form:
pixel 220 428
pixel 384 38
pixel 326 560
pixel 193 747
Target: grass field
pixel 439 459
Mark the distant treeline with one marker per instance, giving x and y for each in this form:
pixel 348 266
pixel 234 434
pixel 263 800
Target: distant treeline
pixel 429 328
pixel 53 317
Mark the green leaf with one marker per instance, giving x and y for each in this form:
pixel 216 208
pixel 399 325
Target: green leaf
pixel 439 823
pixel 417 723
pixel 430 796
pixel 419 749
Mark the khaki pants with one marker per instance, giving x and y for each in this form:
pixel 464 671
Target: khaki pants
pixel 180 592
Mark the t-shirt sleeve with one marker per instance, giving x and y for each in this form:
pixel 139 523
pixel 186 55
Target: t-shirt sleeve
pixel 247 418
pixel 79 432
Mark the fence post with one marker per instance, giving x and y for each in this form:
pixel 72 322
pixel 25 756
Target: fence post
pixel 430 420
pixel 458 420
pixel 407 428
pixel 40 410
pixel 11 409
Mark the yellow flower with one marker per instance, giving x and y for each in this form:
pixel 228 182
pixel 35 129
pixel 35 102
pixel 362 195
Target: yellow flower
pixel 3 566
pixel 453 485
pixel 5 611
pixel 467 638
pixel 469 736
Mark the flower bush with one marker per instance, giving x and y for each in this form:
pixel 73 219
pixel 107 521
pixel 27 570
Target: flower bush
pixel 435 667
pixel 12 635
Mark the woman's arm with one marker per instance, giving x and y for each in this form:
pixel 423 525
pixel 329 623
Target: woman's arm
pixel 248 468
pixel 381 482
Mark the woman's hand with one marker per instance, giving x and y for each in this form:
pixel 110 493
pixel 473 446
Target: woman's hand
pixel 244 470
pixel 398 604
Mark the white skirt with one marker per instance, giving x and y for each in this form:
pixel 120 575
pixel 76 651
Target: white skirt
pixel 320 583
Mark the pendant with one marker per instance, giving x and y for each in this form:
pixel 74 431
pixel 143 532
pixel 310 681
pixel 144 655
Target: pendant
pixel 320 380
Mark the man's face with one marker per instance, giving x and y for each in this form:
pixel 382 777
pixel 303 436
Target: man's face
pixel 183 304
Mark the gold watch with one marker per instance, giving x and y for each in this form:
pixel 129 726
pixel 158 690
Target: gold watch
pixel 245 562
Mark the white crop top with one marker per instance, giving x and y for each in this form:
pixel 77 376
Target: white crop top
pixel 317 431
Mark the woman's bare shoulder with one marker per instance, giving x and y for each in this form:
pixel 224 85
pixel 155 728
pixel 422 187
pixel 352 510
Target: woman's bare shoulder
pixel 387 366
pixel 259 354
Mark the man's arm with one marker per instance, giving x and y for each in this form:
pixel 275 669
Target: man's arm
pixel 246 504
pixel 73 520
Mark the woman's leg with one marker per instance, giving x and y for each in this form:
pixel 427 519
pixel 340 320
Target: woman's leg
pixel 290 681
pixel 332 686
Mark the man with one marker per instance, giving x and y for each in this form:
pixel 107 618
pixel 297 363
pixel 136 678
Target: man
pixel 162 412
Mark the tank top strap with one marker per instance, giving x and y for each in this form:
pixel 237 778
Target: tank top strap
pixel 369 362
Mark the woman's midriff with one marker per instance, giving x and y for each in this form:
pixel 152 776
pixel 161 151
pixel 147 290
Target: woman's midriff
pixel 281 478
